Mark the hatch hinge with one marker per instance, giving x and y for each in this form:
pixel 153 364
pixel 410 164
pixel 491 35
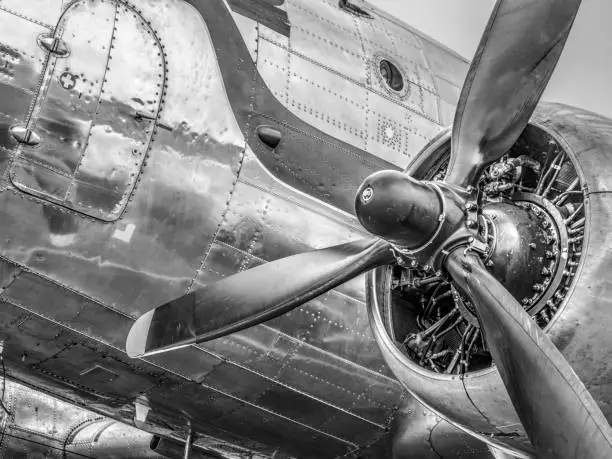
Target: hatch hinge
pixel 53 45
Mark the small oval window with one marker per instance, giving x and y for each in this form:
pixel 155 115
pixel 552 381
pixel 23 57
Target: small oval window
pixel 391 75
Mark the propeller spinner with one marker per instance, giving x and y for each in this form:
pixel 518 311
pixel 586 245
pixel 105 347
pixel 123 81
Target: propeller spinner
pixel 431 223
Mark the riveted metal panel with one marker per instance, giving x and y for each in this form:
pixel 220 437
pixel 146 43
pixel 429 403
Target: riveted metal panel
pixel 96 111
pixel 255 349
pixel 272 395
pixel 21 62
pixel 71 366
pixel 239 382
pixel 269 227
pixel 398 133
pixel 274 36
pixel 249 31
pixel 44 12
pixel 444 64
pixel 295 439
pixel 328 101
pixel 419 92
pixel 325 418
pixel 335 323
pixel 323 42
pixel 25 446
pixel 151 255
pixel 347 386
pixel 75 311
pixel 191 363
pixel 40 413
pixel 413 51
pixel 273 66
pixel 188 399
pixel 299 365
pixel 23 330
pixel 21 59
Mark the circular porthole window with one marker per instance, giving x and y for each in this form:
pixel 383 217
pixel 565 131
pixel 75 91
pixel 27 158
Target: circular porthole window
pixel 391 75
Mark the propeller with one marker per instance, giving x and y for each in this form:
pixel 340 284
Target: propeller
pixel 241 301
pixel 511 68
pixel 513 63
pixel 556 409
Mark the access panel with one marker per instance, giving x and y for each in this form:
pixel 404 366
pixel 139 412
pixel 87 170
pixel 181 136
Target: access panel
pixel 95 111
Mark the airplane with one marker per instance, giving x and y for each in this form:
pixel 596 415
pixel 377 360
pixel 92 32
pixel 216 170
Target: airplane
pixel 297 228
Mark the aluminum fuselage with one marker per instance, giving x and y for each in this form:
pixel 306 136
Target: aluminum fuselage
pixel 142 175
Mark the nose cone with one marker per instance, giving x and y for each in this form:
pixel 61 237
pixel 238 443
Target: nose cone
pixel 398 208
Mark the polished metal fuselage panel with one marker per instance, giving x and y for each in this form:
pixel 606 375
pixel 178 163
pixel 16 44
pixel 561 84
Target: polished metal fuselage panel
pixel 149 180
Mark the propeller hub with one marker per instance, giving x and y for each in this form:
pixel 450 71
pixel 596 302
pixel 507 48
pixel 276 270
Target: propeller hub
pixel 394 206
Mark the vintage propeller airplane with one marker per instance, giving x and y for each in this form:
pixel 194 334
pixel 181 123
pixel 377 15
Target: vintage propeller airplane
pixel 298 228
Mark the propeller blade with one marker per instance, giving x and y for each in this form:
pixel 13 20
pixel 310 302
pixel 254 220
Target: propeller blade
pixel 253 296
pixel 558 413
pixel 511 68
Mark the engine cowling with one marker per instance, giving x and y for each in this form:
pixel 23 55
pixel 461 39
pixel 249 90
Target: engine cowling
pixel 552 253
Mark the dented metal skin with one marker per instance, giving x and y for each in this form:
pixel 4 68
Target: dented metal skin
pixel 141 175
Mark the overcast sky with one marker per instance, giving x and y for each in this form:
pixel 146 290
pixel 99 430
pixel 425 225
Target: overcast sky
pixel 583 77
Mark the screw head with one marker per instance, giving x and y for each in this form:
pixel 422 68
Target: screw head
pixel 367 195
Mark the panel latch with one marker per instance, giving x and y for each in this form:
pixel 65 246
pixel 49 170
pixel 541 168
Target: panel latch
pixel 53 45
pixel 25 136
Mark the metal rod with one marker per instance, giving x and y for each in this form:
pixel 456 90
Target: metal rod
pixel 573 215
pixel 559 200
pixel 552 180
pixel 188 444
pixel 544 177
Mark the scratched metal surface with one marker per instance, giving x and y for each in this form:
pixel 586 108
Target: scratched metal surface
pixel 40 426
pixel 75 273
